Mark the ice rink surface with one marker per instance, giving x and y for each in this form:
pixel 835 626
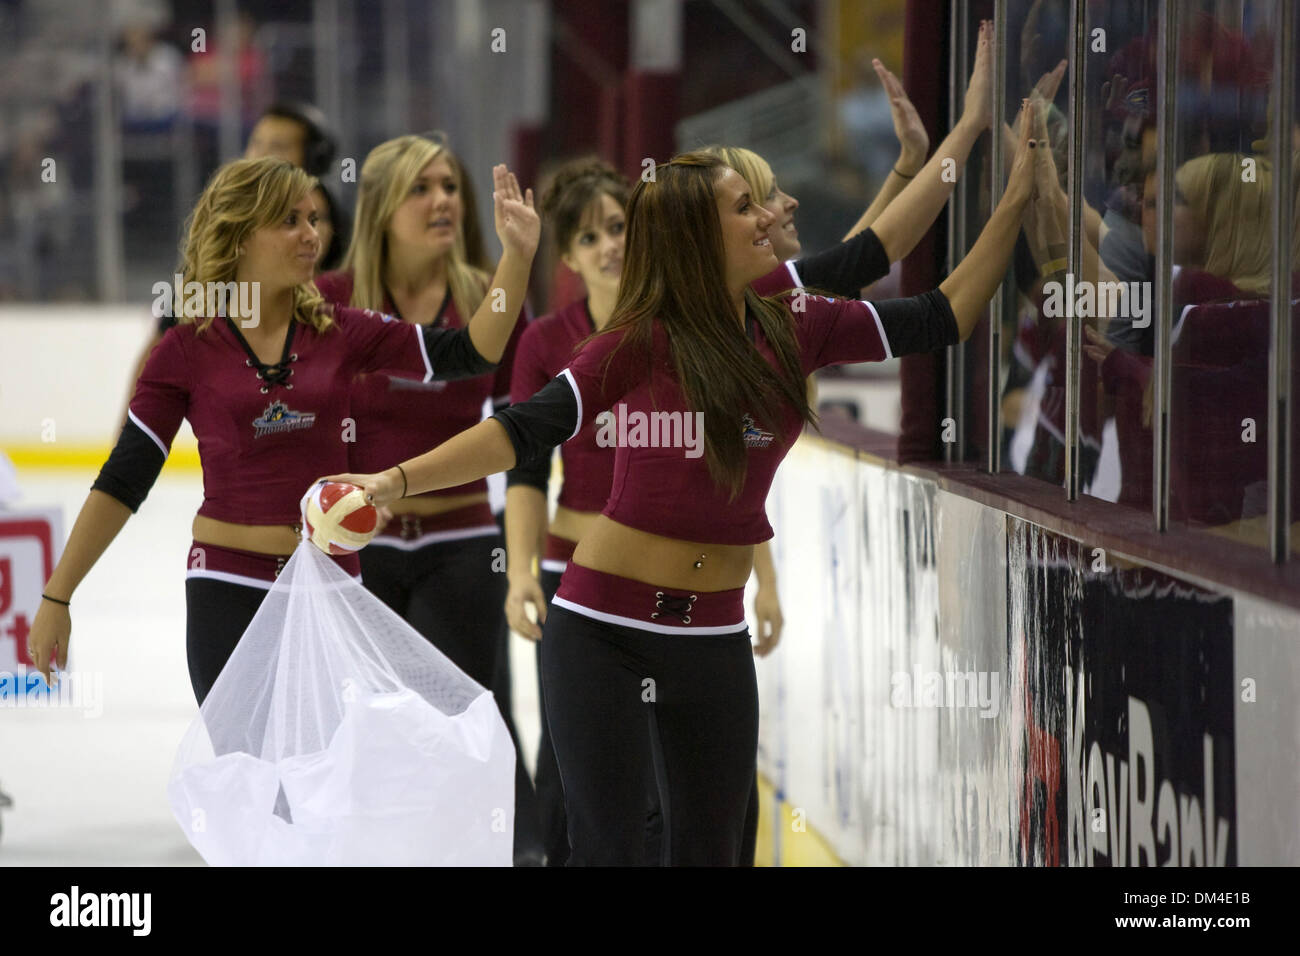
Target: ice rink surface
pixel 90 789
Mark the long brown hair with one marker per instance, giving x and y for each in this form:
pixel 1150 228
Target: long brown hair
pixel 674 271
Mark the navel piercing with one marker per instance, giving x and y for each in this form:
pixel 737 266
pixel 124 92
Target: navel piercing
pixel 700 563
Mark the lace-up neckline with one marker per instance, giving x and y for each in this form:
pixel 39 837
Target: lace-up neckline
pixel 274 374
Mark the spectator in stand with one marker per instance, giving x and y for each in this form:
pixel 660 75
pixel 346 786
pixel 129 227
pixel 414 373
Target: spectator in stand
pixel 149 76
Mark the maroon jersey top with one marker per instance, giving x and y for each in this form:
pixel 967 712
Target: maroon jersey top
pixel 549 345
pixel 398 419
pixel 262 443
pixel 544 350
pixel 661 483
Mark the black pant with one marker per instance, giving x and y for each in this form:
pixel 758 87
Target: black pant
pixel 449 592
pixel 216 615
pixel 550 792
pixel 634 713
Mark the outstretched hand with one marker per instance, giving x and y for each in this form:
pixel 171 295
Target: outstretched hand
pixel 1024 164
pixel 978 109
pixel 523 590
pixel 913 140
pixel 1045 89
pixel 49 637
pixel 517 224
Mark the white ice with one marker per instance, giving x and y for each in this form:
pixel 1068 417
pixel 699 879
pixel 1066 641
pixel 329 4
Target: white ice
pixel 91 790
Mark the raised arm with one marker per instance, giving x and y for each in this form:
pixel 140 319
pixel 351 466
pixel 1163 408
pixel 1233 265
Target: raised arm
pixel 909 217
pixel 913 142
pixel 524 432
pixel 972 284
pixel 1047 217
pixel 518 227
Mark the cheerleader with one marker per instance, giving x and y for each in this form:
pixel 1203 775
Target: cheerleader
pixel 586 201
pixel 299 133
pixel 646 658
pixel 267 397
pixel 585 206
pixel 409 258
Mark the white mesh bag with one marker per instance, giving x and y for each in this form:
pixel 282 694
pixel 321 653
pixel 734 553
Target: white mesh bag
pixel 336 735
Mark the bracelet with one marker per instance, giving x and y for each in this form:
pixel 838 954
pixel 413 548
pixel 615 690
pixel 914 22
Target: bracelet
pixel 56 600
pixel 1055 266
pixel 902 175
pixel 399 468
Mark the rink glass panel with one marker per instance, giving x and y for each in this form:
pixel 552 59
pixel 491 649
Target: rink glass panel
pixel 1222 242
pixel 1108 291
pixel 1031 358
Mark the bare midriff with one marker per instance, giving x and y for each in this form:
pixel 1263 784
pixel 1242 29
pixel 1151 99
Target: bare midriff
pixel 653 559
pixel 572 525
pixel 275 539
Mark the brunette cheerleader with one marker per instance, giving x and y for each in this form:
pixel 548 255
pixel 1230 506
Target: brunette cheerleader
pixel 646 657
pixel 267 397
pixel 585 207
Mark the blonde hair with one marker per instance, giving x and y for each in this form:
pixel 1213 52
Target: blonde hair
pixel 752 167
pixel 240 198
pixel 1236 217
pixel 387 176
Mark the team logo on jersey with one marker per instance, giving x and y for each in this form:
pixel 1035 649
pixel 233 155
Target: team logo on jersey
pixel 755 437
pixel 279 417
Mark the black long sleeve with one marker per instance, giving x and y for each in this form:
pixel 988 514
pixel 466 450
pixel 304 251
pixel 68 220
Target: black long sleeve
pixel 452 354
pixel 847 267
pixel 132 468
pixel 921 323
pixel 536 426
pixel 534 474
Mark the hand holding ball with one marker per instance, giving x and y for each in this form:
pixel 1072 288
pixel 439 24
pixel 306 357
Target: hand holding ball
pixel 337 518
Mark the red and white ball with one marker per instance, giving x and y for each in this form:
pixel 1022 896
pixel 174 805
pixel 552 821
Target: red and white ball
pixel 337 517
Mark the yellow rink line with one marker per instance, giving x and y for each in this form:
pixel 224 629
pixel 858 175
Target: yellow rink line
pixel 793 847
pixel 88 457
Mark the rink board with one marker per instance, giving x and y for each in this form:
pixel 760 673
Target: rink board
pixel 958 686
